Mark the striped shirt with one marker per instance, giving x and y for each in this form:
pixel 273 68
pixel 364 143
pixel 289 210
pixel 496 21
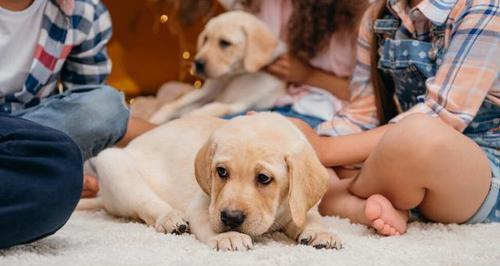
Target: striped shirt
pixel 466 78
pixel 71 49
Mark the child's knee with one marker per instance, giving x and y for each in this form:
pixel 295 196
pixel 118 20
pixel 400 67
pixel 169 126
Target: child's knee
pixel 416 137
pixel 110 117
pixel 109 105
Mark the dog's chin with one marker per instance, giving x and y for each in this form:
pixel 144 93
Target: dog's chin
pixel 216 74
pixel 260 230
pixel 251 229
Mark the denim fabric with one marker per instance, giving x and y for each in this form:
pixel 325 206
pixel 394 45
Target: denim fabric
pixel 489 141
pixel 95 117
pixel 41 175
pixel 409 63
pixel 287 111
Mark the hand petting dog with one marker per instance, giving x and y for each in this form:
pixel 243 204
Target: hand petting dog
pixel 290 69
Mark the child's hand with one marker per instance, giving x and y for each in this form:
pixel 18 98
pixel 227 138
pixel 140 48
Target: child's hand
pixel 90 187
pixel 290 69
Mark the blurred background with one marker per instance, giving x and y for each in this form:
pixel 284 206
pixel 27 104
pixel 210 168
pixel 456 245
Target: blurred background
pixel 154 42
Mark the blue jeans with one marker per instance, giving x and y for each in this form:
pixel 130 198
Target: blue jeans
pixel 41 175
pixel 288 111
pixel 95 117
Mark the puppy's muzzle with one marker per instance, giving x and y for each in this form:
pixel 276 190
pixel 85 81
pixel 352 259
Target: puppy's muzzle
pixel 199 66
pixel 232 219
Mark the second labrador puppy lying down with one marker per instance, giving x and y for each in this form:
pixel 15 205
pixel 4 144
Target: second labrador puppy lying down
pixel 228 180
pixel 232 50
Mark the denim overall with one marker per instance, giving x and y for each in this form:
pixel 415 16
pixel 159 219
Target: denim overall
pixel 408 63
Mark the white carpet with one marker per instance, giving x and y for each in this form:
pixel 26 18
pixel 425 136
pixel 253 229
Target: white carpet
pixel 98 239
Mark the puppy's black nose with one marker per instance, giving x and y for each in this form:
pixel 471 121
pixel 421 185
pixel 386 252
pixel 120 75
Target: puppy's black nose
pixel 199 65
pixel 232 219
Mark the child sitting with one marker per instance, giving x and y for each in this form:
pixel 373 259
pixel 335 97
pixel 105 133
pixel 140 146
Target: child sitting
pixel 321 40
pixel 55 110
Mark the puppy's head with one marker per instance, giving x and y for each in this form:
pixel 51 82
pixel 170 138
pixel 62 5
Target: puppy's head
pixel 234 42
pixel 258 169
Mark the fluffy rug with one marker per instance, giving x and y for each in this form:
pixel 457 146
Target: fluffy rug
pixel 98 239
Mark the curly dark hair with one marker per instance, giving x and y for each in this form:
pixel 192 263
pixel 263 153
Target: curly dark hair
pixel 313 22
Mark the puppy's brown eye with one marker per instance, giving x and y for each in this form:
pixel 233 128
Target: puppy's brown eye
pixel 224 43
pixel 205 39
pixel 222 172
pixel 264 179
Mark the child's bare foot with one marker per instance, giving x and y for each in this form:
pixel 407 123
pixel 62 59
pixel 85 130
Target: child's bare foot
pixel 386 219
pixel 90 187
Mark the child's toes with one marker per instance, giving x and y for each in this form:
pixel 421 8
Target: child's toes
pixel 386 230
pixel 378 224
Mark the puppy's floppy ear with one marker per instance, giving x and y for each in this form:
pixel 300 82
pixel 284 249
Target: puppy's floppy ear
pixel 203 166
pixel 201 40
pixel 261 44
pixel 308 182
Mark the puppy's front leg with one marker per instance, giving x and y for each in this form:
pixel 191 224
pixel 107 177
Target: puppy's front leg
pixel 188 102
pixel 199 219
pixel 313 234
pixel 165 219
pixel 212 109
pixel 219 109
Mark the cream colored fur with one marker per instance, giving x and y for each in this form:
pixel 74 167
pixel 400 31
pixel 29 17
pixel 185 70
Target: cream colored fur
pixel 168 177
pixel 234 81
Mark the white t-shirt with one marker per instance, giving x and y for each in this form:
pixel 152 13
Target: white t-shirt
pixel 19 31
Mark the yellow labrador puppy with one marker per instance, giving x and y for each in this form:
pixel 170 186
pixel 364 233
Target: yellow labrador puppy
pixel 232 50
pixel 231 179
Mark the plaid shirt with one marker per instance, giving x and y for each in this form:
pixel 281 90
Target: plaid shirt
pixel 467 77
pixel 71 49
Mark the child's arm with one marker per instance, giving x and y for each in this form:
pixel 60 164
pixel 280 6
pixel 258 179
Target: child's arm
pixel 354 128
pixel 88 62
pixel 342 150
pixel 291 69
pixel 338 86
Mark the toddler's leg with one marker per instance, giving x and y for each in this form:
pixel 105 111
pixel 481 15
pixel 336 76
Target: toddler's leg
pixel 339 201
pixel 423 163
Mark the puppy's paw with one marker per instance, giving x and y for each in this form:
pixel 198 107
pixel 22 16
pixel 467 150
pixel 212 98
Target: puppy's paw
pixel 320 239
pixel 174 222
pixel 231 241
pixel 211 109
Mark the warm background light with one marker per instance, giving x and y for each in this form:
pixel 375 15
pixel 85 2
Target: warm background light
pixel 164 18
pixel 154 41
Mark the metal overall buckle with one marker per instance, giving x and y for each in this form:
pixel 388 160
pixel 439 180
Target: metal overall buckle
pixel 386 28
pixel 437 39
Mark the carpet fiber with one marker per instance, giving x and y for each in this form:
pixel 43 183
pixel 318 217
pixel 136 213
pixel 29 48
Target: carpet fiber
pixel 99 239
